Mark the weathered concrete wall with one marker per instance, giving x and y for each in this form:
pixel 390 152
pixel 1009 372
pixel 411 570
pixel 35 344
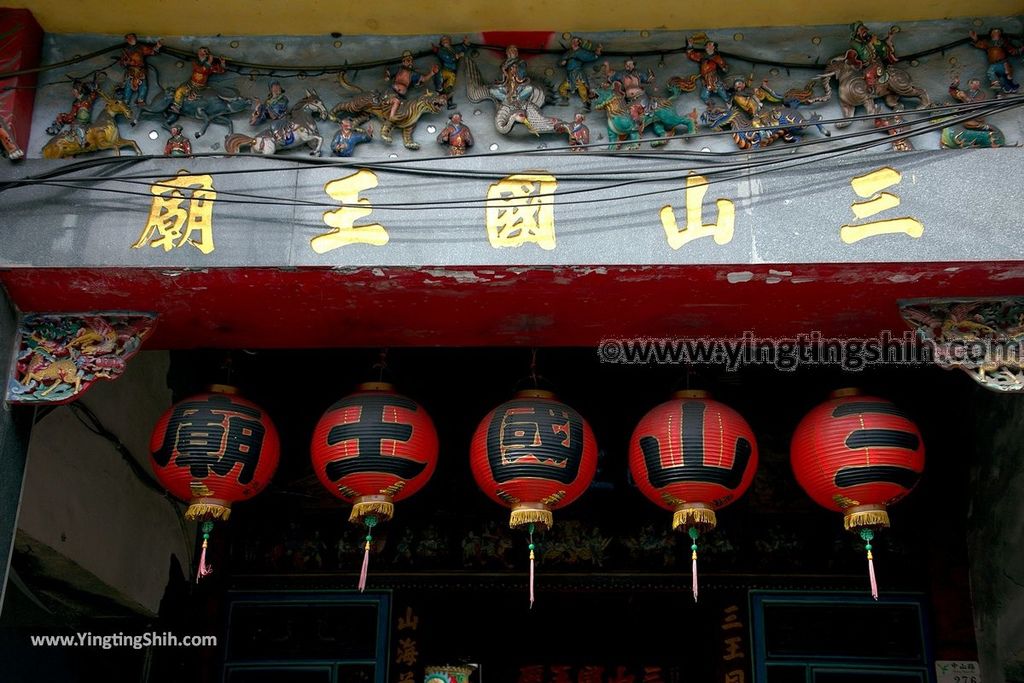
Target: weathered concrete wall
pixel 996 535
pixel 83 507
pixel 13 436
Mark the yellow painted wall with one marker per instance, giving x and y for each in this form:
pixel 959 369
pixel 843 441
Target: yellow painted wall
pixel 283 17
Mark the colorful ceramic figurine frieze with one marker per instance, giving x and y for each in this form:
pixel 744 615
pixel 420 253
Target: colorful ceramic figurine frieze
pixel 79 115
pixel 579 134
pixel 403 117
pixel 998 50
pixel 298 130
pixel 870 54
pixel 90 137
pixel 516 99
pixel 632 81
pixel 760 116
pixel 9 142
pixel 136 70
pixel 626 124
pixel 204 66
pixel 975 132
pixel 348 136
pixel 456 135
pixel 580 53
pixel 712 68
pixel 177 145
pixel 274 107
pixel 448 55
pixel 404 78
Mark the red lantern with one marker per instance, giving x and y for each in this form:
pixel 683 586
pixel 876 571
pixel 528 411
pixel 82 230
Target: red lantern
pixel 212 450
pixel 693 455
pixel 857 455
pixel 373 448
pixel 534 455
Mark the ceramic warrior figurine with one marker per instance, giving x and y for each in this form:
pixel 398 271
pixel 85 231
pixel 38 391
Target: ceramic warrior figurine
pixel 348 136
pixel 998 50
pixel 712 67
pixel 136 71
pixel 448 55
pixel 456 136
pixel 871 54
pixel 515 79
pixel 204 66
pixel 177 145
pixel 974 132
pixel 579 134
pixel 580 53
pixel 404 78
pixel 632 82
pixel 79 116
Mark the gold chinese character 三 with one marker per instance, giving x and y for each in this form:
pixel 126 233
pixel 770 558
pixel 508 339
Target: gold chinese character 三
pixel 722 229
pixel 407 653
pixel 521 208
pixel 181 213
pixel 346 190
pixel 871 185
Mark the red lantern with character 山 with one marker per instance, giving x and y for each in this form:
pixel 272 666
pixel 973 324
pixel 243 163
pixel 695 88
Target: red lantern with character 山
pixel 533 454
pixel 693 455
pixel 212 450
pixel 372 449
pixel 857 455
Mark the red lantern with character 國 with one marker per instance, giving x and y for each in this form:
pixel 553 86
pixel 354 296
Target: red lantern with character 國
pixel 212 450
pixel 372 449
pixel 533 454
pixel 857 455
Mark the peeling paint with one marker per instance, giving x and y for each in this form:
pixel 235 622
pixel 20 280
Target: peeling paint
pixel 739 276
pixel 801 280
pixel 1012 274
pixel 465 277
pixel 378 272
pixel 905 277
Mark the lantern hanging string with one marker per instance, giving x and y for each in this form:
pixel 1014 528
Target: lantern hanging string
pixel 532 556
pixel 868 535
pixel 204 568
pixel 370 521
pixel 693 558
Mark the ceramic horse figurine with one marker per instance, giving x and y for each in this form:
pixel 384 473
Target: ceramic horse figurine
pixel 295 131
pixel 103 134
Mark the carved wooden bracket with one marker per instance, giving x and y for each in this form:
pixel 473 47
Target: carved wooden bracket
pixel 58 356
pixel 982 337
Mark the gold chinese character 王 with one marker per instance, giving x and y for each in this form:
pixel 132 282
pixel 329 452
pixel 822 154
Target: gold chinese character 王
pixel 407 653
pixel 182 207
pixel 733 649
pixel 521 208
pixel 346 190
pixel 871 185
pixel 721 230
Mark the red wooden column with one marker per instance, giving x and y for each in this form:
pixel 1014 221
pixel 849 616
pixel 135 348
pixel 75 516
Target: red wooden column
pixel 21 41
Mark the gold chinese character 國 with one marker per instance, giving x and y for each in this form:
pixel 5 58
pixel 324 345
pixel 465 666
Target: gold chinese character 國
pixel 346 190
pixel 521 208
pixel 407 653
pixel 722 229
pixel 182 206
pixel 871 185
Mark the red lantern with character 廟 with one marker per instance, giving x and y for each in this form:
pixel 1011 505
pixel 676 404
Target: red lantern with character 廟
pixel 857 455
pixel 372 449
pixel 212 450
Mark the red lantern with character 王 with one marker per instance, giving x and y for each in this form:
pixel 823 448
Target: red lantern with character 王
pixel 535 455
pixel 857 455
pixel 372 449
pixel 212 450
pixel 693 455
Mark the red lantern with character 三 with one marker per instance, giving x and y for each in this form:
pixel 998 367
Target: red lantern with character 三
pixel 693 455
pixel 533 454
pixel 372 449
pixel 857 455
pixel 212 450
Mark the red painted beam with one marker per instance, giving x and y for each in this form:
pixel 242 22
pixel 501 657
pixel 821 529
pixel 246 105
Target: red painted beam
pixel 566 306
pixel 21 41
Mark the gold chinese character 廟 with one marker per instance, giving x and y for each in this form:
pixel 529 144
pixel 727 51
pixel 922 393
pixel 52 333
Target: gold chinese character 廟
pixel 182 207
